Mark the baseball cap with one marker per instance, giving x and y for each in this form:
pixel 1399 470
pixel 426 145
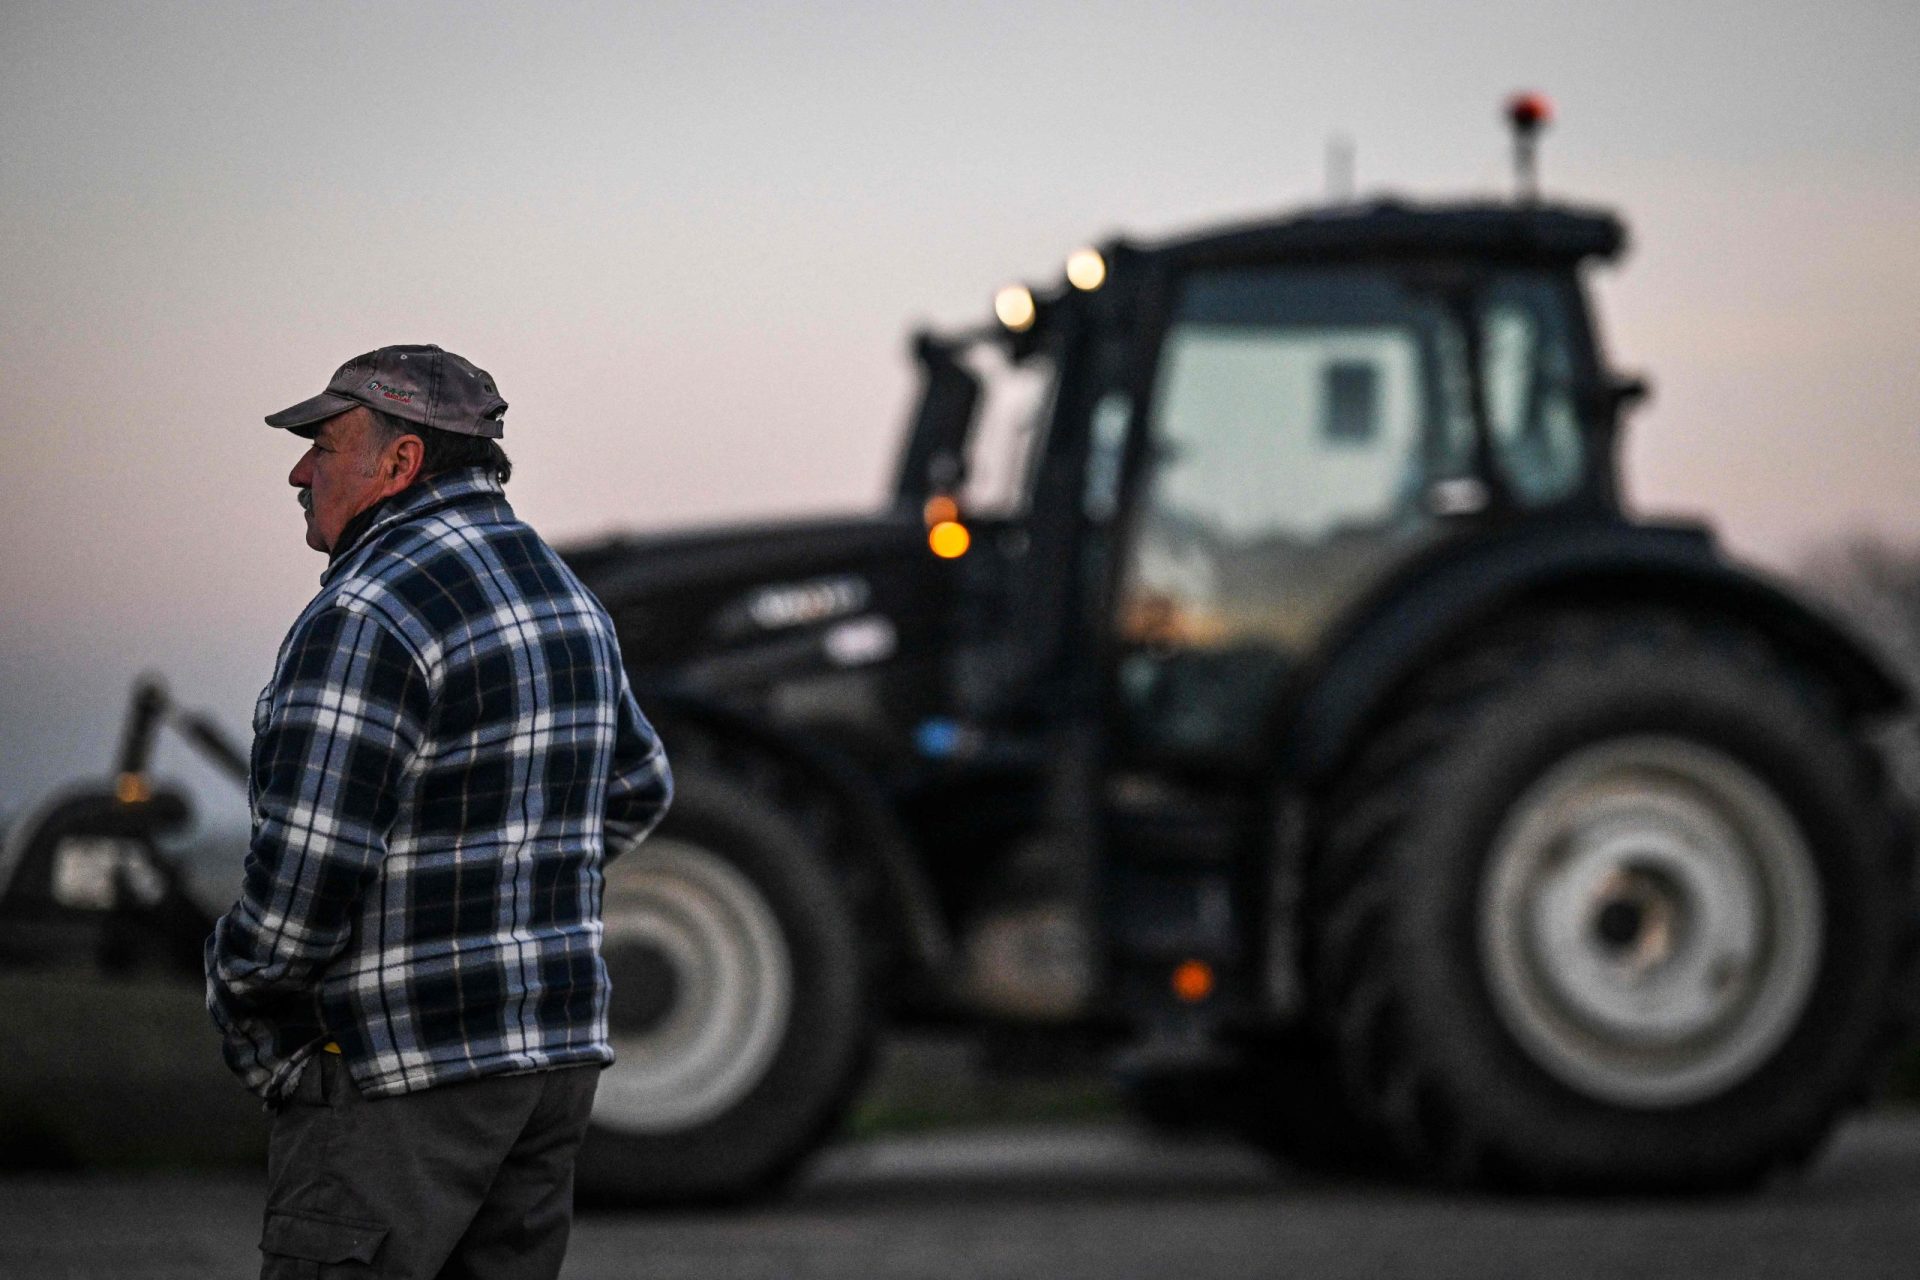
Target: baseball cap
pixel 421 384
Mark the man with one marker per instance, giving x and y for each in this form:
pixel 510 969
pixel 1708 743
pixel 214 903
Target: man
pixel 412 977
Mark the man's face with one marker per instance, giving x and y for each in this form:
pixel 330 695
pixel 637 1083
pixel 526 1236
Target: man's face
pixel 344 471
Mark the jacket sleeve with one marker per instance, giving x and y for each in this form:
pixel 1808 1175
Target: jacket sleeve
pixel 344 718
pixel 641 785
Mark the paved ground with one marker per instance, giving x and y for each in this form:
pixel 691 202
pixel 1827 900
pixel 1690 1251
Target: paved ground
pixel 1097 1201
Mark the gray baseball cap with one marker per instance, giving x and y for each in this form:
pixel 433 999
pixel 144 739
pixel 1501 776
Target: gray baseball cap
pixel 420 384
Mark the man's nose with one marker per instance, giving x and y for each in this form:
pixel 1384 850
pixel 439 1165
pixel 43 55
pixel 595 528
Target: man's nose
pixel 301 477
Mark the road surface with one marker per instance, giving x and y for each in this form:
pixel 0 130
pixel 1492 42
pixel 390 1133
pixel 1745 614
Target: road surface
pixel 1101 1201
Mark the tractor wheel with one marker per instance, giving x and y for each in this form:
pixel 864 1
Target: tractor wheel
pixel 737 1017
pixel 1614 907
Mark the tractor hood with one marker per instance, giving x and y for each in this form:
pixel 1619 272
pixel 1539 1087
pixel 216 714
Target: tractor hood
pixel 741 608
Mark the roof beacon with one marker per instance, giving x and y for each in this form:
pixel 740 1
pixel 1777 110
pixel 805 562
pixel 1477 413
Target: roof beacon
pixel 1528 113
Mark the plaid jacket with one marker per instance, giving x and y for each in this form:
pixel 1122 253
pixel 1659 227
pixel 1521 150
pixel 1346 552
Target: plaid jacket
pixel 447 741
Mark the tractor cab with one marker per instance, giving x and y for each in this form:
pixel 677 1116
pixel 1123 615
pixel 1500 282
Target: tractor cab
pixel 1220 445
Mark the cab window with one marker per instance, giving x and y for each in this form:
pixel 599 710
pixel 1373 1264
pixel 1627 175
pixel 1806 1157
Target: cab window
pixel 1299 419
pixel 1003 447
pixel 1526 355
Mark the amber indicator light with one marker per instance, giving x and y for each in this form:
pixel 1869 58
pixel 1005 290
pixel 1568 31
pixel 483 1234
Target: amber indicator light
pixel 949 539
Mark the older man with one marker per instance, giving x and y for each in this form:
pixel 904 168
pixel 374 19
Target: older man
pixel 412 977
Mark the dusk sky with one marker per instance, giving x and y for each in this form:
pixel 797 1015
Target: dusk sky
pixel 690 241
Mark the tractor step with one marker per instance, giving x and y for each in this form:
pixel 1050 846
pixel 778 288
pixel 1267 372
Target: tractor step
pixel 1174 894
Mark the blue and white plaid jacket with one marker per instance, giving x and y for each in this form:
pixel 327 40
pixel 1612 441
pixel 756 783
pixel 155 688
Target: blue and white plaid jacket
pixel 447 742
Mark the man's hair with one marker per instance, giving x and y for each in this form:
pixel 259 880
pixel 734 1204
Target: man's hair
pixel 448 450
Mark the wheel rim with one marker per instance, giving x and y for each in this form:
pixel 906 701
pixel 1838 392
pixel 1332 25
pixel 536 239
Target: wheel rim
pixel 1650 921
pixel 681 919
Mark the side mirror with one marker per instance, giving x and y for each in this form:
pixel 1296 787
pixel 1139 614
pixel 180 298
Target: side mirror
pixel 1628 393
pixel 1610 399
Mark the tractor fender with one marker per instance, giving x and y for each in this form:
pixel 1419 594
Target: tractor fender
pixel 881 840
pixel 1394 632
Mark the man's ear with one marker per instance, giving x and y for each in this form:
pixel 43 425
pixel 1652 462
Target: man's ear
pixel 403 460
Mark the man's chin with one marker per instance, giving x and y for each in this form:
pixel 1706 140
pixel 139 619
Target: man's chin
pixel 314 539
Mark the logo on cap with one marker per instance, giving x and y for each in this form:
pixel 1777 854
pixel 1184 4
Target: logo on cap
pixel 389 391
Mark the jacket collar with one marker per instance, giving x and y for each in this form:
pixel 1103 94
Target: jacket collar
pixel 469 485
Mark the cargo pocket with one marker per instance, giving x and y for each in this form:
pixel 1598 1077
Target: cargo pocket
pixel 301 1245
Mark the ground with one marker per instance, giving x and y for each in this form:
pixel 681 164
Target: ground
pixel 1092 1200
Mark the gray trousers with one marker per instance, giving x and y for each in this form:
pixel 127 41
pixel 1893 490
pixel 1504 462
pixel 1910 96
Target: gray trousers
pixel 466 1180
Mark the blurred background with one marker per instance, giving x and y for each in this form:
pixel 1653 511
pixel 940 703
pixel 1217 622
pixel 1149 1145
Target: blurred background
pixel 690 242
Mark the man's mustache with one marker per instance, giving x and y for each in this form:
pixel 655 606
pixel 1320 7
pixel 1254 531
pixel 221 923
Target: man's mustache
pixel 305 499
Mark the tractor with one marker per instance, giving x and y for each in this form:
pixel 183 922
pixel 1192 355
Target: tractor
pixel 1255 678
pixel 1257 675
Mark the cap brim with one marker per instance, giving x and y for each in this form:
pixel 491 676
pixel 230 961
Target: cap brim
pixel 310 413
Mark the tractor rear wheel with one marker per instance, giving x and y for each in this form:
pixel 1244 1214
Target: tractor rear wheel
pixel 1615 907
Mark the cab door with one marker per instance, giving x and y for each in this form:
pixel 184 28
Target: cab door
pixel 1307 428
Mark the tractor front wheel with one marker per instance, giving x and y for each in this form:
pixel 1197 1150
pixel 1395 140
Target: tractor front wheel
pixel 737 1016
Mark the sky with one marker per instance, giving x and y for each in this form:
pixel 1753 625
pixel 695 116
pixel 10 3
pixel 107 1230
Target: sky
pixel 690 242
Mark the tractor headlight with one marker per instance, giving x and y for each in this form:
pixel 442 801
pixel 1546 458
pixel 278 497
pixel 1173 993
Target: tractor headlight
pixel 1086 270
pixel 1015 307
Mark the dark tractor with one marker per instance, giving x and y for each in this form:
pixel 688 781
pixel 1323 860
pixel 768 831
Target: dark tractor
pixel 1256 674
